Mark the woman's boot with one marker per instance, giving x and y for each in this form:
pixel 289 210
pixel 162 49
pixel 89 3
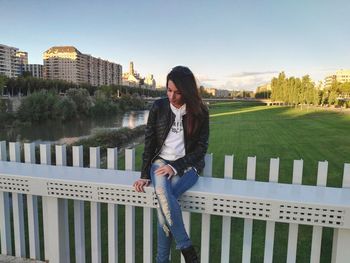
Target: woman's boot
pixel 190 255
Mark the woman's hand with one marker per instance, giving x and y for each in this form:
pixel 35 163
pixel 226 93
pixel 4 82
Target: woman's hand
pixel 140 184
pixel 164 171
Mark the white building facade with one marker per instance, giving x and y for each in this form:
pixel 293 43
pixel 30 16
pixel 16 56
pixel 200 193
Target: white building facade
pixel 69 64
pixel 36 70
pixel 9 62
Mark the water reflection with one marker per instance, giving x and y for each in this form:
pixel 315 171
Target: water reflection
pixel 68 132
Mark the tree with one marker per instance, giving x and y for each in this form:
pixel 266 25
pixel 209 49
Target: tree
pixel 3 82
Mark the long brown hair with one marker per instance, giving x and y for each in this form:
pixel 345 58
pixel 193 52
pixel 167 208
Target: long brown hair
pixel 185 82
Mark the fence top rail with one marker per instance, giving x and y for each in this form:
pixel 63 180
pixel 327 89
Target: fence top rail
pixel 306 194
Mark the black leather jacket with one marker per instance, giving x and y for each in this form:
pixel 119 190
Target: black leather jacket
pixel 160 120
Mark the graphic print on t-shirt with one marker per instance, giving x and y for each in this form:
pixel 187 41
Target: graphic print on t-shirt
pixel 177 126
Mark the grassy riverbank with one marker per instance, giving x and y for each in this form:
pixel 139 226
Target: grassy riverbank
pixel 266 132
pixel 245 129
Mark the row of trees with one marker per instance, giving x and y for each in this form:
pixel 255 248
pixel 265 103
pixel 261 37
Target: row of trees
pixel 26 85
pixel 303 90
pixel 77 103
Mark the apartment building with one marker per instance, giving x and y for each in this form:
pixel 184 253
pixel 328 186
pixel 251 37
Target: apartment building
pixel 340 76
pixel 9 63
pixel 69 64
pixel 36 70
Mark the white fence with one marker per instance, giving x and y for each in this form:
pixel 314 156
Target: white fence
pixel 272 202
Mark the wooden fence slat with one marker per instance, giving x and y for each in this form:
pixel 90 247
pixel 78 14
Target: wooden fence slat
pixel 270 225
pixel 293 228
pixel 3 151
pixel 205 237
pixel 53 250
pixel 5 226
pixel 44 159
pixel 17 205
pixel 248 223
pixel 226 220
pixel 341 237
pixel 79 214
pixel 147 235
pixel 186 217
pixel 32 208
pixel 113 252
pixel 61 160
pixel 95 212
pixel 317 230
pixel 130 212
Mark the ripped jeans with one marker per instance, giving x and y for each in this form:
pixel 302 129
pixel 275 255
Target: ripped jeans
pixel 170 222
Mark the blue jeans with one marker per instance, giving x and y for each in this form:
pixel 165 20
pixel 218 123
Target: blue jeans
pixel 170 223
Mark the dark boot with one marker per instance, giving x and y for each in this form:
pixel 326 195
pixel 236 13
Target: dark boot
pixel 190 255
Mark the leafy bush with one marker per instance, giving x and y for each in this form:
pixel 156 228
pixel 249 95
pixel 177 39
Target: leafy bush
pixel 3 106
pixel 68 108
pixel 39 106
pixel 103 107
pixel 82 100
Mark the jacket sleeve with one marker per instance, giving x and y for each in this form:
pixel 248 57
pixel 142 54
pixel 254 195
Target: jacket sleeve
pixel 150 142
pixel 191 158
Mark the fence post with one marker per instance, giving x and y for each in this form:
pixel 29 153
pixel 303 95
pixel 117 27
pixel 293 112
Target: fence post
pixel 205 237
pixel 95 211
pixel 32 203
pixel 130 212
pixel 61 160
pixel 270 225
pixel 79 221
pixel 293 228
pixel 226 220
pixel 341 237
pixel 5 226
pixel 17 201
pixel 53 249
pixel 317 230
pixel 112 163
pixel 248 223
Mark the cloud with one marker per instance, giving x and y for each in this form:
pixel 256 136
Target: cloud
pixel 247 80
pixel 205 78
pixel 253 73
pixel 239 80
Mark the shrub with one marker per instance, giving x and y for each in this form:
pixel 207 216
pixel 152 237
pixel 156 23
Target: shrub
pixel 67 109
pixel 103 107
pixel 82 100
pixel 39 106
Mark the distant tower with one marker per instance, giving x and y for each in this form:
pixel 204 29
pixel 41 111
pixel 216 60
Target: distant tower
pixel 131 68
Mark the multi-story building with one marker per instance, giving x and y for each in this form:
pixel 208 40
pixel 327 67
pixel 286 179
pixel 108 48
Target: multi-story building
pixel 263 88
pixel 211 91
pixel 150 82
pixel 69 64
pixel 9 62
pixel 36 70
pixel 339 76
pixel 22 57
pixel 131 78
pixel 222 93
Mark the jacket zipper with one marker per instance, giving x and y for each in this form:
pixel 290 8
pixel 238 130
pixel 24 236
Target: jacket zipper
pixel 168 129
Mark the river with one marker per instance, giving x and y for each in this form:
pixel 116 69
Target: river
pixel 69 132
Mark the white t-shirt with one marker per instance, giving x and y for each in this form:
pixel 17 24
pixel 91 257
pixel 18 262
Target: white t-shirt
pixel 174 144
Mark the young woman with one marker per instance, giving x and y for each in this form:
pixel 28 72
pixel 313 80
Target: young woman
pixel 176 140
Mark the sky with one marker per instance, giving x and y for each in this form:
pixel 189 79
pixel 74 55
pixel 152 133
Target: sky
pixel 234 45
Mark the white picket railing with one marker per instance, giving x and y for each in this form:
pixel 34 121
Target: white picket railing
pixel 272 202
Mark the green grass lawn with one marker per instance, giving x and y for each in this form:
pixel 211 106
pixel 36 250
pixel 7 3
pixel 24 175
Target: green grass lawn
pixel 250 129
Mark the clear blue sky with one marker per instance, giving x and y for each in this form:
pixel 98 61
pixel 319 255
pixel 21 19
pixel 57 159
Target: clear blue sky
pixel 228 44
